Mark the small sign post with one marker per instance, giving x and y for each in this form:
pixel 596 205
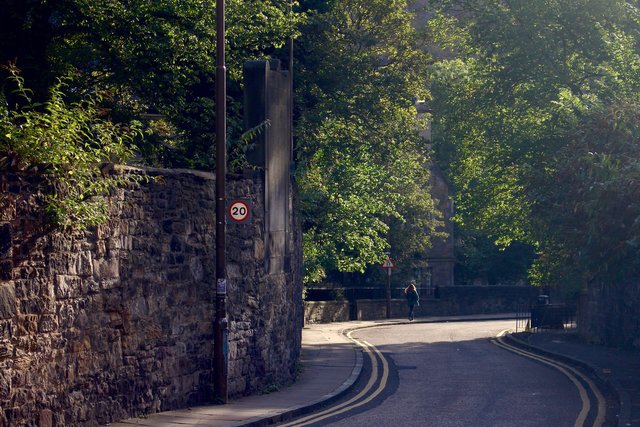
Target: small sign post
pixel 389 264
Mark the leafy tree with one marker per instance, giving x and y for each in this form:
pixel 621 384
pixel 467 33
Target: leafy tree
pixel 151 60
pixel 363 170
pixel 478 257
pixel 535 121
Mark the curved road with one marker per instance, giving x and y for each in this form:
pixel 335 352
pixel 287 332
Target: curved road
pixel 453 374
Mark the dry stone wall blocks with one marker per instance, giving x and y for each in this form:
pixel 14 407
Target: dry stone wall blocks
pixel 117 321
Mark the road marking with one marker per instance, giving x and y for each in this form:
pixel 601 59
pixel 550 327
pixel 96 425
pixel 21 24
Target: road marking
pixel 355 401
pixel 570 373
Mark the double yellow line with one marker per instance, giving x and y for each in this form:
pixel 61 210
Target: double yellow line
pixel 366 395
pixel 573 375
pixel 380 375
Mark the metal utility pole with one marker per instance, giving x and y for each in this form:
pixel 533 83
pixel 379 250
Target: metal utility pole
pixel 221 326
pixel 388 265
pixel 388 293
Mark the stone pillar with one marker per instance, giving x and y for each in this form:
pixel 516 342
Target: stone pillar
pixel 268 106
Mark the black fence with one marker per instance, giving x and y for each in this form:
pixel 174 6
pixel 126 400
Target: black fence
pixel 546 316
pixel 352 294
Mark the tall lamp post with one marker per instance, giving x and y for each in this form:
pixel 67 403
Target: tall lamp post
pixel 221 327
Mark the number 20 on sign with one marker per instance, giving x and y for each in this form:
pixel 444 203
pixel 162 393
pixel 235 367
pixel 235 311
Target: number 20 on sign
pixel 239 211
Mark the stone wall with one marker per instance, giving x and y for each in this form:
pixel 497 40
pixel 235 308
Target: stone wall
pixel 609 314
pixel 326 311
pixel 117 321
pixel 377 309
pixel 463 300
pixel 453 301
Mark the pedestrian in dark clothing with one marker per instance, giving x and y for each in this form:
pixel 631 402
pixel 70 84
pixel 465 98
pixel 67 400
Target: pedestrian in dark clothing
pixel 411 293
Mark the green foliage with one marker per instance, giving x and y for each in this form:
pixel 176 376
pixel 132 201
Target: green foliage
pixel 536 122
pixel 70 143
pixel 153 61
pixel 363 172
pixel 478 257
pixel 591 197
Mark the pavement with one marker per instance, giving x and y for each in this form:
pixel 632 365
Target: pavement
pixel 331 364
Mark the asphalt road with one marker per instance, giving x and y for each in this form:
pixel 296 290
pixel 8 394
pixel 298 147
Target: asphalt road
pixel 452 374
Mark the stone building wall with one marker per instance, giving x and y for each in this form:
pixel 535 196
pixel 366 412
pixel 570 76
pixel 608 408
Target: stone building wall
pixel 117 321
pixel 440 257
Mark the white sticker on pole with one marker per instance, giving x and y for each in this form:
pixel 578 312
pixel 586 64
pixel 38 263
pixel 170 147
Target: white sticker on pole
pixel 221 287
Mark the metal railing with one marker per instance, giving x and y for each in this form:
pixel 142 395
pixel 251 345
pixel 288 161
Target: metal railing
pixel 356 293
pixel 523 319
pixel 542 317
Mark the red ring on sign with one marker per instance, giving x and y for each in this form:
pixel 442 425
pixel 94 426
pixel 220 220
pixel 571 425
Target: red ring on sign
pixel 242 213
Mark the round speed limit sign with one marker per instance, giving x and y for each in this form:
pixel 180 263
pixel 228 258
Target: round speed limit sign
pixel 239 211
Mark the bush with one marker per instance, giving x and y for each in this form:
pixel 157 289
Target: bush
pixel 70 143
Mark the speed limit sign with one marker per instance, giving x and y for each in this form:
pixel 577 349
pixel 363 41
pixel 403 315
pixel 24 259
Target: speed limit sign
pixel 239 210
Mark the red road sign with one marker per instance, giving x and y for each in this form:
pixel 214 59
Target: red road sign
pixel 239 211
pixel 389 263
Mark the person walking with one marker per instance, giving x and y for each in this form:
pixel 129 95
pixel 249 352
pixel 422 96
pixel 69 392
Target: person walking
pixel 411 293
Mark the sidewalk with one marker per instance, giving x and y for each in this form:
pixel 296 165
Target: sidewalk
pixel 331 365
